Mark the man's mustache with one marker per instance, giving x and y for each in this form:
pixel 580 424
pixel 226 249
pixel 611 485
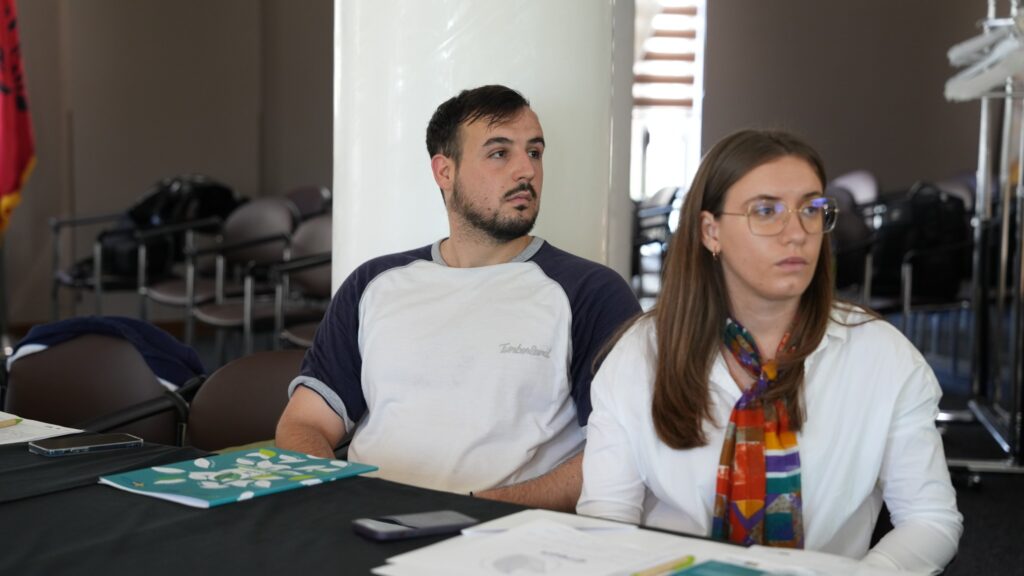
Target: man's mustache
pixel 524 187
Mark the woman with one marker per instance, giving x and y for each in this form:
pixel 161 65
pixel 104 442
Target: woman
pixel 748 405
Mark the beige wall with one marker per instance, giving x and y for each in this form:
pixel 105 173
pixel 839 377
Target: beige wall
pixel 124 92
pixel 862 81
pixel 297 93
pixel 27 240
pixel 159 88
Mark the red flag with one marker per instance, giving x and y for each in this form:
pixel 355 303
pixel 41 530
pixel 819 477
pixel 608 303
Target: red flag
pixel 17 147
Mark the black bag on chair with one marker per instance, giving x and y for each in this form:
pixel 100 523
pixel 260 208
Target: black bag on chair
pixel 169 201
pixel 934 226
pixel 181 199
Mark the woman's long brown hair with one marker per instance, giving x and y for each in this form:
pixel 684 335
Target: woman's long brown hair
pixel 693 303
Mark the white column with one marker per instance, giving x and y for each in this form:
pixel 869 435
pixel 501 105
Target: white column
pixel 397 60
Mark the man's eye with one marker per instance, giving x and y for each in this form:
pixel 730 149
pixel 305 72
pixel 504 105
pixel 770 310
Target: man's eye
pixel 498 154
pixel 536 153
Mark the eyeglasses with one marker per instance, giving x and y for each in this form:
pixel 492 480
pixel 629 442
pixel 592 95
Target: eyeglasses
pixel 769 217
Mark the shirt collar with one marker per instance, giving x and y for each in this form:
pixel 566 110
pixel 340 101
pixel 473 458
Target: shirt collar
pixel 527 253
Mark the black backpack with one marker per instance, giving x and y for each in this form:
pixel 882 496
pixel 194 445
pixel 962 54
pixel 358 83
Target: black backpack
pixel 933 224
pixel 168 201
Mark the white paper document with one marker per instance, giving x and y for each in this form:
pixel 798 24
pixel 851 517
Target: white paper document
pixel 584 523
pixel 27 430
pixel 540 542
pixel 537 547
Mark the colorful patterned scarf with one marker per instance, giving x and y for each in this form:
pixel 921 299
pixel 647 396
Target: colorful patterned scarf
pixel 757 496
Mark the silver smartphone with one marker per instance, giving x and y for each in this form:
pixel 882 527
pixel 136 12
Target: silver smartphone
pixel 401 526
pixel 81 443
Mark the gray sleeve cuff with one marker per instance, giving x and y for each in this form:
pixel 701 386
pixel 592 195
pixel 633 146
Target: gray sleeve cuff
pixel 325 392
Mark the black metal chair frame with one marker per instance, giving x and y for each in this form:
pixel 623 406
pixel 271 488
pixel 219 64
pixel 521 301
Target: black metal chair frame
pixel 56 226
pixel 207 226
pixel 249 288
pixel 143 238
pixel 279 273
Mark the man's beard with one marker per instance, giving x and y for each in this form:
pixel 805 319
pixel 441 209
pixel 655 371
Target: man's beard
pixel 500 229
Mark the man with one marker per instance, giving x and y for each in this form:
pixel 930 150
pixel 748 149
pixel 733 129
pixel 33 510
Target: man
pixel 466 365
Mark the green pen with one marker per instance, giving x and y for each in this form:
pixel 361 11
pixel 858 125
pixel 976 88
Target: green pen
pixel 669 568
pixel 682 567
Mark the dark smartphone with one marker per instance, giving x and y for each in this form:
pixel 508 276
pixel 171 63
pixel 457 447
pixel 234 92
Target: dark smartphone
pixel 83 443
pixel 401 526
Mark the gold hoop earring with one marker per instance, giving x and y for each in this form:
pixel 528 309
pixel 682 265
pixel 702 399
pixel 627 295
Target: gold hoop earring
pixel 714 254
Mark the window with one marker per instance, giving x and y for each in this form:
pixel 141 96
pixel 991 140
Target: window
pixel 667 89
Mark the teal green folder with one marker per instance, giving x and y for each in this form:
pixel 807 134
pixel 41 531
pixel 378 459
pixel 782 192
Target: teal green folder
pixel 233 476
pixel 716 568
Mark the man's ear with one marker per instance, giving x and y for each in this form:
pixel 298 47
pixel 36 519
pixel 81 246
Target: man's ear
pixel 443 168
pixel 709 232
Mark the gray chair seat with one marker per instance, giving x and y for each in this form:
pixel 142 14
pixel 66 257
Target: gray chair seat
pixel 255 235
pixel 172 292
pixel 229 314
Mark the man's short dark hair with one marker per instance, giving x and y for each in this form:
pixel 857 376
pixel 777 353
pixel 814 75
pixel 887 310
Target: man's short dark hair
pixel 494 103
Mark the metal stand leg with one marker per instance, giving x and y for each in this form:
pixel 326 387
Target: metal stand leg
pixel 1002 424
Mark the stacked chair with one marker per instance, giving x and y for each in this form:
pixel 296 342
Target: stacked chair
pixel 144 244
pixel 255 232
pixel 303 284
pixel 268 233
pixel 310 201
pixel 189 243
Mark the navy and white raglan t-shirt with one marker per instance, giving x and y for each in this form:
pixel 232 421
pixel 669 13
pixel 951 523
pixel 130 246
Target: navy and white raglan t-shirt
pixel 465 379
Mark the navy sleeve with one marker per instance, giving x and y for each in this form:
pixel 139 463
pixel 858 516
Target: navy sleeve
pixel 334 359
pixel 601 302
pixel 168 358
